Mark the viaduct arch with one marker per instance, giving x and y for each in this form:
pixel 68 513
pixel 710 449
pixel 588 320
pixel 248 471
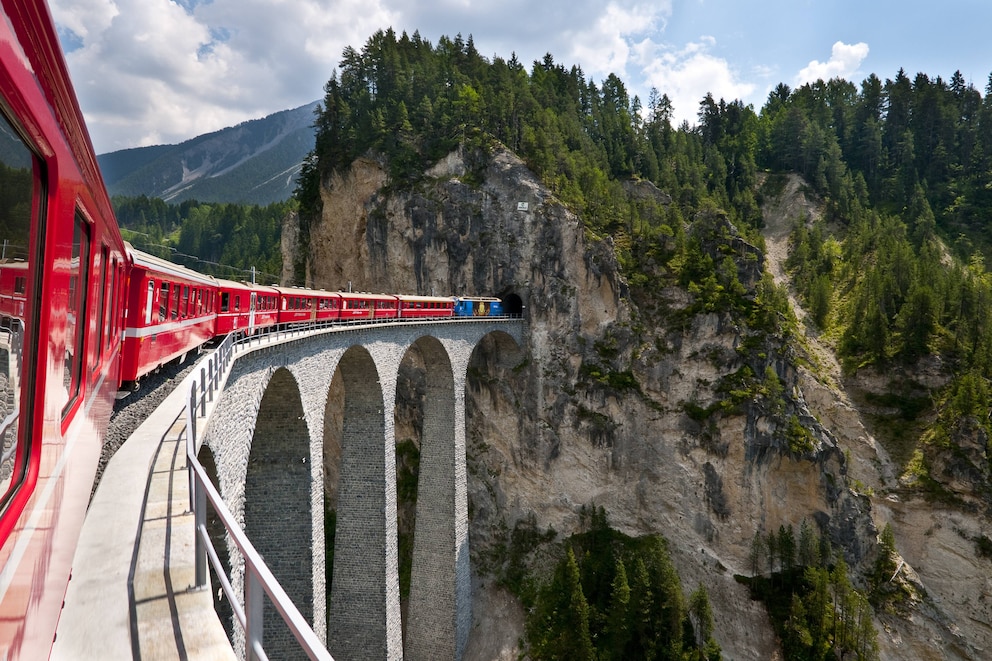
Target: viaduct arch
pixel 316 414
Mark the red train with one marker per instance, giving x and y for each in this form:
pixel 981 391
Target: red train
pixel 173 311
pixel 82 312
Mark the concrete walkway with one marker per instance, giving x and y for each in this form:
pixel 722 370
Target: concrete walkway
pixel 130 596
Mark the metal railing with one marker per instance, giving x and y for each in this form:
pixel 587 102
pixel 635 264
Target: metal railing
pixel 259 580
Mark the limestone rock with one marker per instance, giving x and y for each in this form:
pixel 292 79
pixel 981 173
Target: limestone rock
pixel 547 437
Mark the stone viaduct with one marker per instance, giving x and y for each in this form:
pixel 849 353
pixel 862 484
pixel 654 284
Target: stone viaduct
pixel 316 414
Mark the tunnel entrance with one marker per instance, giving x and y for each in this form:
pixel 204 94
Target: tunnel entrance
pixel 513 305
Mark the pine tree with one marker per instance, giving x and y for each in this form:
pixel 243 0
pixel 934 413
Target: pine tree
pixel 619 619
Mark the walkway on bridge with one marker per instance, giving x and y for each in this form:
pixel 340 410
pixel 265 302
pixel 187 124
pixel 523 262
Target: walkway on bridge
pixel 138 536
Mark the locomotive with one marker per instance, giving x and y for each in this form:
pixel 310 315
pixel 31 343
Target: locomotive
pixel 82 312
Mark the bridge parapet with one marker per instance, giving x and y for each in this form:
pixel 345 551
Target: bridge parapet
pixel 270 421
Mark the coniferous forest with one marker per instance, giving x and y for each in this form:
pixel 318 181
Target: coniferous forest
pixel 893 274
pixel 222 239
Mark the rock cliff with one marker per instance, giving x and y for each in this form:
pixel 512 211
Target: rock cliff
pixel 616 406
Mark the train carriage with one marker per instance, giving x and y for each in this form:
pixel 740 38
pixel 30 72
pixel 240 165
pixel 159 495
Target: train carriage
pixel 60 348
pixel 263 307
pixel 356 306
pixel 245 308
pixel 13 290
pixel 299 305
pixel 170 312
pixel 412 307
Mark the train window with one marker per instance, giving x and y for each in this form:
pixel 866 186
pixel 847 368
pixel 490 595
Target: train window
pixel 163 302
pixel 75 331
pixel 149 301
pixel 108 316
pixel 237 304
pixel 21 182
pixel 185 305
pixel 225 301
pixel 119 281
pixel 100 272
pixel 174 306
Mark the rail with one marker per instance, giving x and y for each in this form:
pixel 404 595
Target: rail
pixel 259 580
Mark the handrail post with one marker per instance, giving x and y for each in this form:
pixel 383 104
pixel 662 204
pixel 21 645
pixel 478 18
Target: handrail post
pixel 213 379
pixel 191 420
pixel 254 595
pixel 191 444
pixel 200 523
pixel 203 392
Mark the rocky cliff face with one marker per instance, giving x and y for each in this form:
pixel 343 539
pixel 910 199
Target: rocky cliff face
pixel 610 406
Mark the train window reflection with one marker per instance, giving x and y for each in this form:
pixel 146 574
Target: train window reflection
pixel 75 319
pixel 19 187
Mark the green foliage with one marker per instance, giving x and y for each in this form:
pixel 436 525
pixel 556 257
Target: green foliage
pixel 800 438
pixel 593 607
pixel 226 240
pixel 813 607
pixel 413 102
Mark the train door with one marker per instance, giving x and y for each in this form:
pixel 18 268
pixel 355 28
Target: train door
pixel 251 314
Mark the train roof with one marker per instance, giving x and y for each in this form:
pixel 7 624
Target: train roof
pixel 359 294
pixel 304 291
pixel 151 262
pixel 417 297
pixel 252 286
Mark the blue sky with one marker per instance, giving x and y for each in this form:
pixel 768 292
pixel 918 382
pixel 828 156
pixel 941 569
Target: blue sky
pixel 162 71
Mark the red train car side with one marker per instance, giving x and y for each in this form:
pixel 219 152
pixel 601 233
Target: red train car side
pixel 356 306
pixel 298 305
pixel 412 307
pixel 170 312
pixel 60 340
pixel 328 306
pixel 245 308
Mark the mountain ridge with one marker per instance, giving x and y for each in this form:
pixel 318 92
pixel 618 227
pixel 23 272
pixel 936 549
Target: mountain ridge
pixel 254 162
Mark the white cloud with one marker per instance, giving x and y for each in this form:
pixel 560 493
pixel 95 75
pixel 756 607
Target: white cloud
pixel 161 71
pixel 152 71
pixel 84 17
pixel 843 63
pixel 686 75
pixel 604 47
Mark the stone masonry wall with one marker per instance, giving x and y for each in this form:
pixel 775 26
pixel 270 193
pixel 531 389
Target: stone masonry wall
pixel 276 396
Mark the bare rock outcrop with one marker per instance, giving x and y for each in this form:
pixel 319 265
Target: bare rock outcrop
pixel 606 406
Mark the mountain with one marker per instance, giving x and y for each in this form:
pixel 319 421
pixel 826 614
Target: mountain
pixel 255 162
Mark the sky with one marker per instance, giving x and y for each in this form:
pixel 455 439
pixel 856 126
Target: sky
pixel 162 71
